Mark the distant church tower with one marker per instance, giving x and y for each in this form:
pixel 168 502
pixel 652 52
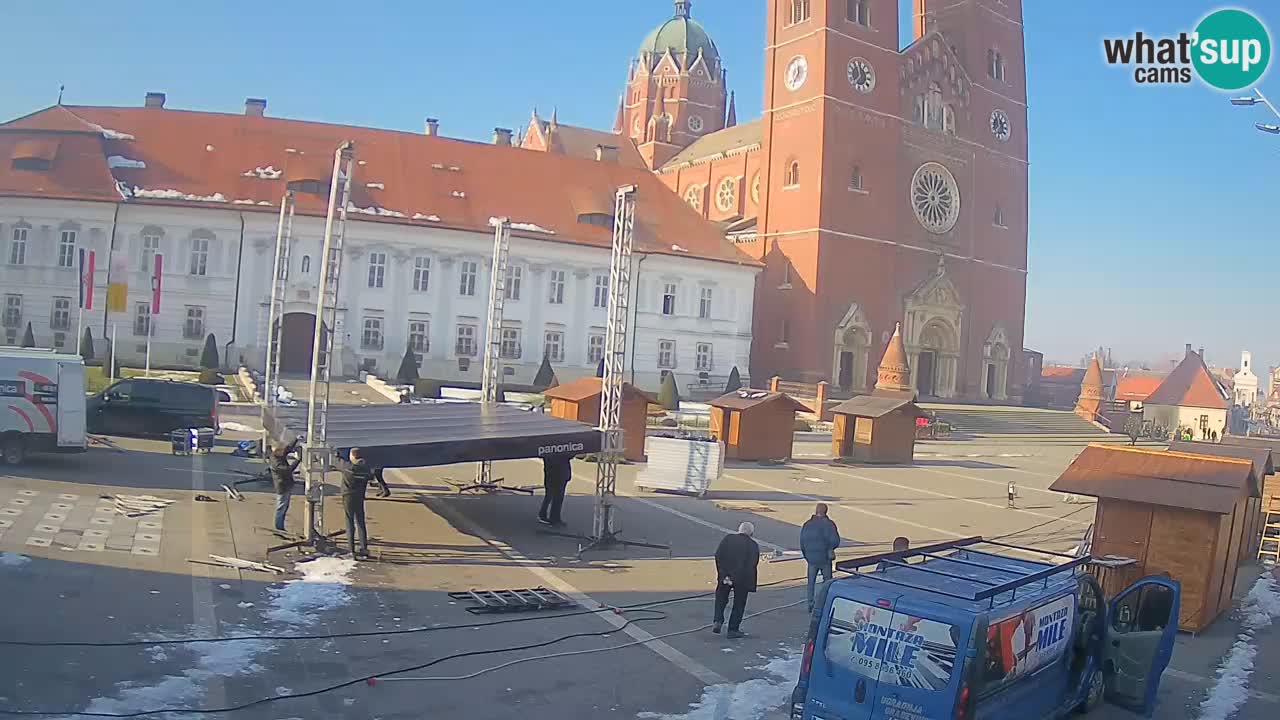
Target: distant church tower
pixel 675 89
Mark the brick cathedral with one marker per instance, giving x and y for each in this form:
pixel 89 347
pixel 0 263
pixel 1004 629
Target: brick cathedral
pixel 882 185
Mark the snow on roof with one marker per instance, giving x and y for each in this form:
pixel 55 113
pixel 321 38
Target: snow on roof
pixel 375 210
pixel 177 195
pixel 110 134
pixel 525 226
pixel 264 173
pixel 429 218
pixel 375 186
pixel 458 194
pixel 120 161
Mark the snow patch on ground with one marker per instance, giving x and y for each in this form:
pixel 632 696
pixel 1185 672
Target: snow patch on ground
pixel 239 427
pixel 8 559
pixel 323 586
pixel 752 699
pixel 120 161
pixel 177 195
pixel 1231 690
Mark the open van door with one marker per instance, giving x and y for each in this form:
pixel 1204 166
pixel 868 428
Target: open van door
pixel 1142 624
pixel 72 403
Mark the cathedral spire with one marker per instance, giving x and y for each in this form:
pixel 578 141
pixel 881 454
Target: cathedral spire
pixel 682 8
pixel 732 120
pixel 619 121
pixel 894 374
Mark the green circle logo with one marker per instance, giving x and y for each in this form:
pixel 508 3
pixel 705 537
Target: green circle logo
pixel 1232 49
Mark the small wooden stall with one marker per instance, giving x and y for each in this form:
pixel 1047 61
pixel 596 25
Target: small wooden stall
pixel 1263 468
pixel 1271 484
pixel 1171 512
pixel 755 424
pixel 875 429
pixel 580 400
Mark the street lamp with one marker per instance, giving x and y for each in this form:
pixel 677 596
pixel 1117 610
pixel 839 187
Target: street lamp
pixel 1255 99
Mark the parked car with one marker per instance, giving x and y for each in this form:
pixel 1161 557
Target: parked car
pixel 965 629
pixel 148 408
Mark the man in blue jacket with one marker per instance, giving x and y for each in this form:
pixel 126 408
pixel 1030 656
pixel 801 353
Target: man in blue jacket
pixel 819 539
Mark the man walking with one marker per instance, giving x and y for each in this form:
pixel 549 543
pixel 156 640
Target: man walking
pixel 355 482
pixel 819 539
pixel 282 480
pixel 383 490
pixel 736 561
pixel 557 471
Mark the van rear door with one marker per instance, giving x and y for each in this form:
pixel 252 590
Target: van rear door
pixel 72 403
pixel 920 661
pixel 845 673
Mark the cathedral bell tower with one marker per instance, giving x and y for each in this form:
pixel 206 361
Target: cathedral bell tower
pixel 675 89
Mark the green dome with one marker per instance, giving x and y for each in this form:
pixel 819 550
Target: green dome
pixel 680 35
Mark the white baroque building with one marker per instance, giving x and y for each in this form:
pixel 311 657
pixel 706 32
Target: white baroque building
pixel 203 190
pixel 1245 382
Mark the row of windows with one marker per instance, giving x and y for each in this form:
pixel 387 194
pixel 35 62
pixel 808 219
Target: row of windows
pixel 66 247
pixel 59 315
pixel 192 323
pixel 198 262
pixel 510 344
pixel 856 11
pixel 468 275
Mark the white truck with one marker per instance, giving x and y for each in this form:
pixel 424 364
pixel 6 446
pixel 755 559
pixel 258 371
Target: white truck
pixel 42 403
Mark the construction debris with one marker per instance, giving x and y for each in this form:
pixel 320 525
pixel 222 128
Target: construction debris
pixel 238 564
pixel 138 505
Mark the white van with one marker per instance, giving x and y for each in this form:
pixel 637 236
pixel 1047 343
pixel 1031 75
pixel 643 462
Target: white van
pixel 42 403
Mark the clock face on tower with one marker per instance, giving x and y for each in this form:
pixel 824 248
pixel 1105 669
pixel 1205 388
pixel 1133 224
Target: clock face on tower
pixel 1000 125
pixel 637 126
pixel 861 75
pixel 797 73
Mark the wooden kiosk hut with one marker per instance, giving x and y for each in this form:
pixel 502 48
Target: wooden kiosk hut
pixel 1263 468
pixel 755 424
pixel 880 427
pixel 1170 512
pixel 1270 485
pixel 580 400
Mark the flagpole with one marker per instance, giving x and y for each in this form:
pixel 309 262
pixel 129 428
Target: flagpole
pixel 114 351
pixel 79 325
pixel 150 324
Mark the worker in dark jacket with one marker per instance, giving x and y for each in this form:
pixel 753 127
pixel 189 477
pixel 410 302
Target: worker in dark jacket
pixel 282 480
pixel 355 482
pixel 383 490
pixel 736 561
pixel 557 471
pixel 819 539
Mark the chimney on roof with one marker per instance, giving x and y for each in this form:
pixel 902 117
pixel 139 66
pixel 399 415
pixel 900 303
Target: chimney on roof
pixel 154 100
pixel 1201 353
pixel 502 136
pixel 255 107
pixel 1188 349
pixel 606 153
pixel 433 127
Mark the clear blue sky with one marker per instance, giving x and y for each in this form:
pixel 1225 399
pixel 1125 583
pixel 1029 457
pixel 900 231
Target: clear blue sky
pixel 1149 207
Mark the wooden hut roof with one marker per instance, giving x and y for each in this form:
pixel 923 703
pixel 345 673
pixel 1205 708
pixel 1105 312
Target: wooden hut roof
pixel 588 387
pixel 1271 443
pixel 1263 463
pixel 748 398
pixel 1158 477
pixel 875 406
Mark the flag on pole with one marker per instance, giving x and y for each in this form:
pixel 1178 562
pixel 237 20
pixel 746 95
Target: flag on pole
pixel 155 285
pixel 118 284
pixel 87 258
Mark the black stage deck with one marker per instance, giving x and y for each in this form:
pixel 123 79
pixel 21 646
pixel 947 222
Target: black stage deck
pixel 393 436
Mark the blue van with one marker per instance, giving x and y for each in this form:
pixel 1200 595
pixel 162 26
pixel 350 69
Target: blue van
pixel 962 630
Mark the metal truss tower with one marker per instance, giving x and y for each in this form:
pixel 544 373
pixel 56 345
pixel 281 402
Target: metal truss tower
pixel 492 377
pixel 275 326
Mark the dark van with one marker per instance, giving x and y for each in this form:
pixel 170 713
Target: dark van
pixel 963 629
pixel 143 407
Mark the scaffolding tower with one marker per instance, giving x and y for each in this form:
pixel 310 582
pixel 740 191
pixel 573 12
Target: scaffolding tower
pixel 318 454
pixel 489 382
pixel 275 324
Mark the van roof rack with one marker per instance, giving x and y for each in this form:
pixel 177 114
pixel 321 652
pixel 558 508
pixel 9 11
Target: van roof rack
pixel 989 591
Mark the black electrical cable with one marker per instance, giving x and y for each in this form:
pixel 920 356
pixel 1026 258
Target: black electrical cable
pixel 337 686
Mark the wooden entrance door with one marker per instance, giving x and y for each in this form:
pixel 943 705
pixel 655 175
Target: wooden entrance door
pixel 845 374
pixel 991 380
pixel 926 381
pixel 297 340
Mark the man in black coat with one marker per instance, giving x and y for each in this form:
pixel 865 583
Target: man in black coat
pixel 557 471
pixel 355 482
pixel 282 480
pixel 736 561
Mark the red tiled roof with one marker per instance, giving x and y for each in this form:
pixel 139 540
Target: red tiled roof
pixel 1189 385
pixel 1137 388
pixel 1061 372
pixel 403 178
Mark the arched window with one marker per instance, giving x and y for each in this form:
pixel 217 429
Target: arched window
pixel 917 110
pixel 855 178
pixel 792 177
pixel 860 12
pixel 799 11
pixel 995 65
pixel 949 120
pixel 933 107
pixel 306 264
pixel 997 218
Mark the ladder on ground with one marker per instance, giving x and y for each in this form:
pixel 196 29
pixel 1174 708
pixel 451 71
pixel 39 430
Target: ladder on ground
pixel 1269 547
pixel 318 455
pixel 491 378
pixel 279 278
